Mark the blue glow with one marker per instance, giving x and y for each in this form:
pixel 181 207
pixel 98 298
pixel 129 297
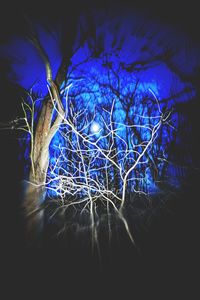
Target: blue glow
pixel 128 63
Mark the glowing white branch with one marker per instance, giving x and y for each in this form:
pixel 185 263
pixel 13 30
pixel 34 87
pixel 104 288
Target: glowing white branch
pixel 91 157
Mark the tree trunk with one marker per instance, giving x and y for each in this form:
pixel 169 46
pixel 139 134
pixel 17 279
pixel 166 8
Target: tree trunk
pixel 35 190
pixel 44 132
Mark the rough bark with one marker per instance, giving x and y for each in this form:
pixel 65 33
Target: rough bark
pixel 35 190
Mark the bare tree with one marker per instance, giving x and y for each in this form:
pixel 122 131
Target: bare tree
pixel 42 133
pixel 102 167
pixel 83 171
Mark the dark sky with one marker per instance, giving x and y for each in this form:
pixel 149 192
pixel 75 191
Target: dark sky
pixel 184 14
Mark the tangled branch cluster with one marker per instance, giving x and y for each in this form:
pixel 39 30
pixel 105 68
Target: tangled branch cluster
pixel 92 171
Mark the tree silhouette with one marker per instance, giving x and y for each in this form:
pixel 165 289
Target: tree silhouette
pixel 100 170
